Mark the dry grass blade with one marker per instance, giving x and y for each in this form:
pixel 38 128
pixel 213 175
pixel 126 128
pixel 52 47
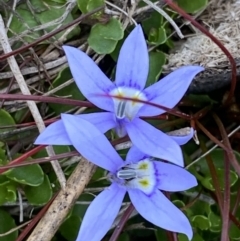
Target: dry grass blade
pixel 65 200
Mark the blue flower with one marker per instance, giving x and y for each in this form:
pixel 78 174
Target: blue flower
pixel 140 176
pixel 131 75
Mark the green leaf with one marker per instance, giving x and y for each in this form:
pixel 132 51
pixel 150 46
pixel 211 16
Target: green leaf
pixel 201 100
pixel 6 224
pixel 208 182
pixel 6 120
pixel 154 21
pixel 88 5
pixel 157 36
pixel 82 5
pixel 215 221
pixel 93 4
pixel 69 229
pixel 7 190
pixel 31 175
pixel 3 157
pixel 192 6
pixel 41 194
pixel 104 38
pixel 156 61
pixel 71 91
pixel 234 232
pixel 42 13
pixel 201 222
pixel 218 159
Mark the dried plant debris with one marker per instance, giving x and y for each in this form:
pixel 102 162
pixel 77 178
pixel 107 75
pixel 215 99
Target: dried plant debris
pixel 222 20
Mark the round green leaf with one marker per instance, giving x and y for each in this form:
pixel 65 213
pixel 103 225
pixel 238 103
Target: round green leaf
pixel 6 120
pixel 7 190
pixel 201 222
pixel 157 36
pixel 31 175
pixel 234 232
pixel 93 4
pixel 41 194
pixel 7 223
pixel 192 6
pixel 215 221
pixel 208 182
pixel 104 38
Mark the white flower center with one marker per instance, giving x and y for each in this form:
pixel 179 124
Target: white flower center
pixel 140 175
pixel 127 108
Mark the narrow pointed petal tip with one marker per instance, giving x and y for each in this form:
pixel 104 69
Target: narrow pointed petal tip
pixel 153 142
pixel 160 211
pixel 54 134
pixel 101 214
pixel 91 143
pixel 174 178
pixel 169 90
pixel 91 81
pixel 182 139
pixel 133 62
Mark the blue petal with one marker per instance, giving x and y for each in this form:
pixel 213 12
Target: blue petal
pixel 169 90
pixel 153 142
pixel 103 121
pixel 158 210
pixel 181 140
pixel 135 155
pixel 133 63
pixel 89 78
pixel 91 143
pixel 101 214
pixel 174 178
pixel 54 134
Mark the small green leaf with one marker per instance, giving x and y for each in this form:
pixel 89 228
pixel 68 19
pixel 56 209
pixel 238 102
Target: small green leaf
pixel 6 120
pixel 82 5
pixel 41 194
pixel 31 175
pixel 215 221
pixel 191 6
pixel 93 4
pixel 43 13
pixel 104 38
pixel 234 232
pixel 154 21
pixel 208 182
pixel 156 61
pixel 69 229
pixel 201 222
pixel 6 224
pixel 157 36
pixel 7 190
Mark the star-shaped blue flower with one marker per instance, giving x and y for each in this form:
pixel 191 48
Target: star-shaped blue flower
pixel 124 116
pixel 140 176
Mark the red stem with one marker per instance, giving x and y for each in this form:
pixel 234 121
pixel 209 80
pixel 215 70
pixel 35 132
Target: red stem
pixel 122 222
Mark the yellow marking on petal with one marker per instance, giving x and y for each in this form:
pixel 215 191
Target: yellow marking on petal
pixel 144 182
pixel 143 166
